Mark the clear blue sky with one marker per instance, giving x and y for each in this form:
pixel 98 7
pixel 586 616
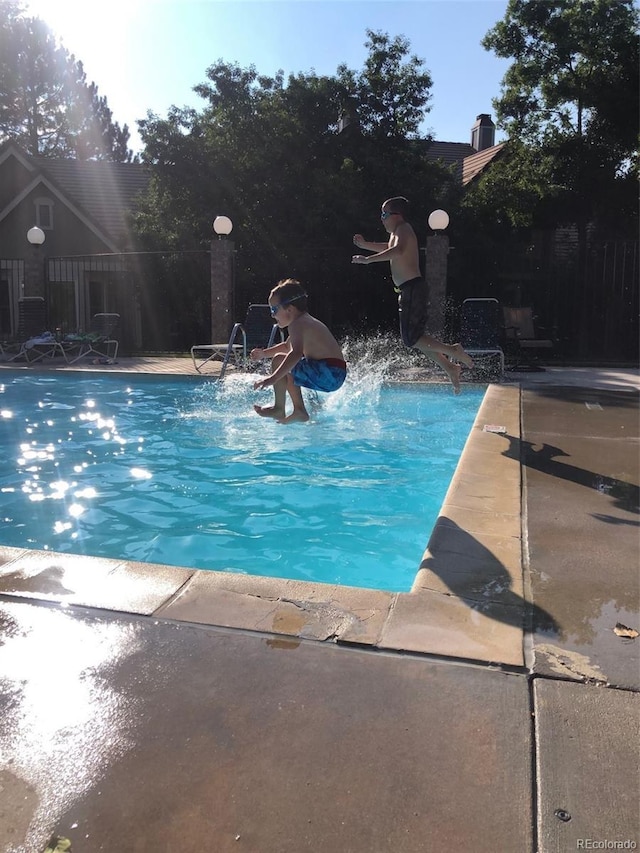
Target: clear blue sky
pixel 148 54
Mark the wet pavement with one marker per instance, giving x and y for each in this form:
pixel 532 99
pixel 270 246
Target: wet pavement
pixel 494 708
pixel 581 481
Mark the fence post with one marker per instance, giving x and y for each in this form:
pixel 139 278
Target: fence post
pixel 221 289
pixel 436 260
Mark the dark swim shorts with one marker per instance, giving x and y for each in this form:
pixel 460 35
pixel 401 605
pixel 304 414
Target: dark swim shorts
pixel 413 303
pixel 324 374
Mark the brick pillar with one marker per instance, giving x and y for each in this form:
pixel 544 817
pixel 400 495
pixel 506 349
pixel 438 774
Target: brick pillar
pixel 436 257
pixel 34 273
pixel 221 290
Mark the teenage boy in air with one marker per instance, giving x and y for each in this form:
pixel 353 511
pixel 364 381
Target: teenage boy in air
pixel 402 253
pixel 309 358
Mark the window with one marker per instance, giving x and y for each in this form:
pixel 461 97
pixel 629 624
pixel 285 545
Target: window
pixel 44 213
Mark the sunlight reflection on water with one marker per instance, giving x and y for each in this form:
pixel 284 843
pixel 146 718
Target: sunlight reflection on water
pixel 184 473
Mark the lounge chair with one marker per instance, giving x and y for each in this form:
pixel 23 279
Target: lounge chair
pixel 480 333
pixel 97 340
pixel 33 342
pixel 257 330
pixel 520 335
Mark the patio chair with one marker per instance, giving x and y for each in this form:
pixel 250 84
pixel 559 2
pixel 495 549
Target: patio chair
pixel 480 333
pixel 32 342
pixel 97 340
pixel 521 339
pixel 257 330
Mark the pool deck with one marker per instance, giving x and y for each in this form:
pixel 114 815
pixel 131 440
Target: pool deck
pixel 493 707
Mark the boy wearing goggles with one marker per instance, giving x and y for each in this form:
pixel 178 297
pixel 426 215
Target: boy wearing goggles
pixel 309 358
pixel 403 255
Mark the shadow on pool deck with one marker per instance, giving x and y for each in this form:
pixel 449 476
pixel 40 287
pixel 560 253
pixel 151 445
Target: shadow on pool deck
pixel 148 708
pixel 465 568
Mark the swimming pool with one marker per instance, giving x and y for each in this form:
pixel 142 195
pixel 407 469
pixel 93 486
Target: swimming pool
pixel 181 471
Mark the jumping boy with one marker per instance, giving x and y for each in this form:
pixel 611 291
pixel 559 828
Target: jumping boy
pixel 402 253
pixel 310 357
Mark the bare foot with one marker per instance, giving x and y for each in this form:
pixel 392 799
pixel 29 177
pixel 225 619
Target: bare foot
pixel 454 372
pixel 300 415
pixel 461 355
pixel 269 411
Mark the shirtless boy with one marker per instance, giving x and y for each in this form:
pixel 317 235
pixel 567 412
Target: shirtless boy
pixel 310 357
pixel 402 253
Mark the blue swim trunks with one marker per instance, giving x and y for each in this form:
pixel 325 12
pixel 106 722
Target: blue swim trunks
pixel 324 374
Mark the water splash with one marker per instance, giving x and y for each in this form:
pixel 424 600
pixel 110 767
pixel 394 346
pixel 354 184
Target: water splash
pixel 372 361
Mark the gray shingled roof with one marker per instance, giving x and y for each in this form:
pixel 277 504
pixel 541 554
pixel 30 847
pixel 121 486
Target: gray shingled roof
pixel 450 152
pixel 472 166
pixel 104 191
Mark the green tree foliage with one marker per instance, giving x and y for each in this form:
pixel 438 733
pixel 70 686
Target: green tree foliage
pixel 273 154
pixel 509 193
pixel 571 95
pixel 46 104
pixel 390 96
pixel 569 102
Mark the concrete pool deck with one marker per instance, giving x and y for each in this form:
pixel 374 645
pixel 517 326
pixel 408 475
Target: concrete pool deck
pixel 493 707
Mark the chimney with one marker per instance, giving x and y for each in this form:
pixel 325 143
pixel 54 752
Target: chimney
pixel 348 116
pixel 483 132
pixel 344 121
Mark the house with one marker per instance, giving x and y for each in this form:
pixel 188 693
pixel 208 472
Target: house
pixel 469 159
pixel 81 208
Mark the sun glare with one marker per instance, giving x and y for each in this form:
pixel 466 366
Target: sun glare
pixel 103 37
pixel 81 25
pixel 67 18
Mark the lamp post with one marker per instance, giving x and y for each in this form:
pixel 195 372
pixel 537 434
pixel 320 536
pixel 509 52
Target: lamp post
pixel 436 269
pixel 438 220
pixel 223 226
pixel 33 284
pixel 221 253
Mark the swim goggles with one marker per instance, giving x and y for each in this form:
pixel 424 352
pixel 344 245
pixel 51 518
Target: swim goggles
pixel 275 308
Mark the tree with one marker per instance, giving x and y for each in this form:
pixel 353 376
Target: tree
pixel 390 95
pixel 569 103
pixel 268 152
pixel 46 104
pixel 572 94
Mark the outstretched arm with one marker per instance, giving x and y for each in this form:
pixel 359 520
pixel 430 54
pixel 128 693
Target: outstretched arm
pixel 384 254
pixel 397 246
pixel 361 243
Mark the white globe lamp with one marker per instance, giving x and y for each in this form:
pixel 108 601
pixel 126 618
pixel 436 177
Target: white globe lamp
pixel 438 220
pixel 223 226
pixel 35 236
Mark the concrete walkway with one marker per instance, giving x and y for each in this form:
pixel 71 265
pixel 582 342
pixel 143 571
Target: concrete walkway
pixel 493 708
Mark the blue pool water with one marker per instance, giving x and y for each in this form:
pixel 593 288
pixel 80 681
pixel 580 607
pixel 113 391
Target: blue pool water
pixel 183 472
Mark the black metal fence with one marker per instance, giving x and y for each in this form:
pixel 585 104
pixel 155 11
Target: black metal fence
pixel 591 319
pixel 11 279
pixel 164 299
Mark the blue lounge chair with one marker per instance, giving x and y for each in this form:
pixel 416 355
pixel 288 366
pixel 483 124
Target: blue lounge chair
pixel 480 333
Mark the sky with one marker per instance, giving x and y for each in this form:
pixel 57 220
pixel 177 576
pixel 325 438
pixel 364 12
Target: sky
pixel 147 55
